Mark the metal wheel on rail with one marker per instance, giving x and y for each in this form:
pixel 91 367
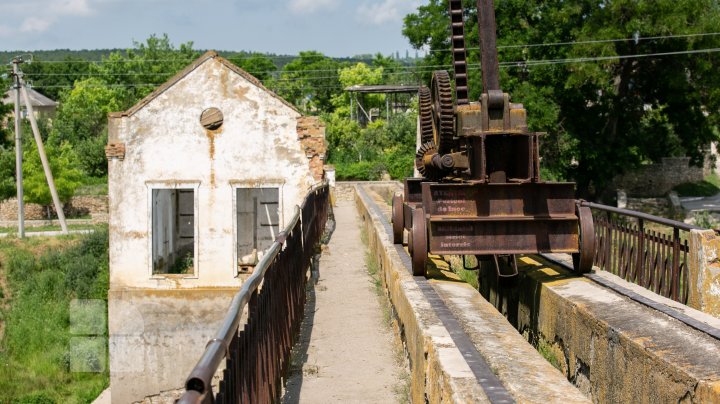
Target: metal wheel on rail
pixel 583 260
pixel 397 219
pixel 419 252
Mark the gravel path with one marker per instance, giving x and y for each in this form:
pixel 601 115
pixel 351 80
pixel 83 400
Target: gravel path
pixel 345 349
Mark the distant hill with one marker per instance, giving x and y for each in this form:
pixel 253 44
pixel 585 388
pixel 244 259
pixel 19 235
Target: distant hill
pixel 58 54
pixel 98 54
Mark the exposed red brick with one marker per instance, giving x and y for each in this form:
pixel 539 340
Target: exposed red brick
pixel 311 133
pixel 115 150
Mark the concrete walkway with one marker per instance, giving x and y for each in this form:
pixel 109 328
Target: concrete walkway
pixel 345 349
pixel 710 203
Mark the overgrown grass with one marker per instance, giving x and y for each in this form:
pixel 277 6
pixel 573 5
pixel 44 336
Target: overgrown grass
pixel 708 187
pixel 458 263
pixel 93 186
pixel 402 388
pixel 43 276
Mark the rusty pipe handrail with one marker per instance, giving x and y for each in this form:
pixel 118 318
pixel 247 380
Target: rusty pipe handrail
pixel 199 383
pixel 216 350
pixel 640 215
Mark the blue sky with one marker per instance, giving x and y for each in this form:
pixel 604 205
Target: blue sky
pixel 334 27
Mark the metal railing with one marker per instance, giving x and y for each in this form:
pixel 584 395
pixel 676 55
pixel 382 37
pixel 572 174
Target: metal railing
pixel 653 256
pixel 257 354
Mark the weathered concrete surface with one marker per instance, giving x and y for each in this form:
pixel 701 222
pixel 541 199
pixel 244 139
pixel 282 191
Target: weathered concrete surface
pixel 612 348
pixel 345 348
pixel 439 372
pixel 704 272
pixel 528 376
pixel 157 337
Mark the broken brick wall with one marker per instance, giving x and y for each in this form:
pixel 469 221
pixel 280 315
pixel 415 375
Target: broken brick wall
pixel 311 134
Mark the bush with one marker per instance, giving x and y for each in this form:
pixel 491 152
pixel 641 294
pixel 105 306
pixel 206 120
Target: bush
pixel 362 171
pixel 707 187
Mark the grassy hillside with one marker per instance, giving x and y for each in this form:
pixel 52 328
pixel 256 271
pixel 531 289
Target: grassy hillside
pixel 54 350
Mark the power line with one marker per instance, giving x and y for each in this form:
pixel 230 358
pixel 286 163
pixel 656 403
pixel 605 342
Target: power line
pixel 415 69
pixel 275 57
pixel 592 41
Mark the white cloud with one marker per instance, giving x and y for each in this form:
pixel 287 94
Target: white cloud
pixel 311 6
pixel 35 25
pixel 45 13
pixel 385 11
pixel 71 7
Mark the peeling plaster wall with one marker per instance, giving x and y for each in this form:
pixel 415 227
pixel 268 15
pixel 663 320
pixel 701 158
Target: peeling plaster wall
pixel 159 324
pixel 165 144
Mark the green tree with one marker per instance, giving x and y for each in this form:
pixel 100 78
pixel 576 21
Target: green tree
pixel 359 74
pixel 257 64
pixel 310 82
pixel 67 176
pixel 52 78
pixel 82 122
pixel 608 114
pixel 141 69
pixel 7 173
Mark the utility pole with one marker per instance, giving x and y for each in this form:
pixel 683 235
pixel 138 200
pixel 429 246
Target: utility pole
pixel 43 157
pixel 18 149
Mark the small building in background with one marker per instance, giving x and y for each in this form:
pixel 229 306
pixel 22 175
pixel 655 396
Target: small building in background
pixel 203 175
pixel 43 107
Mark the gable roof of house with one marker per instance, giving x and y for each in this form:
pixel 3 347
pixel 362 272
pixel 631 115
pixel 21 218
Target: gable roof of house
pixel 190 68
pixel 36 99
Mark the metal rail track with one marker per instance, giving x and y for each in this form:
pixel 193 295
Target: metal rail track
pixel 489 382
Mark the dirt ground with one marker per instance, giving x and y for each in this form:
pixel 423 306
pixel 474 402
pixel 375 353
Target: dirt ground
pixel 346 352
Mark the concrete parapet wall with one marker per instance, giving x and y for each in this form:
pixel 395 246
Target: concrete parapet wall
pixel 157 337
pixel 612 348
pixel 704 272
pixel 439 372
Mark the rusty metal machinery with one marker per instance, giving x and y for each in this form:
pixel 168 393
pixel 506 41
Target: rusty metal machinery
pixel 481 192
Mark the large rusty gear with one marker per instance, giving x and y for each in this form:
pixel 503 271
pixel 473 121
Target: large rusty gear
pixel 443 111
pixel 425 113
pixel 429 172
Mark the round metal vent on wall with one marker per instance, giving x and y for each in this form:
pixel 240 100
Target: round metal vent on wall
pixel 211 118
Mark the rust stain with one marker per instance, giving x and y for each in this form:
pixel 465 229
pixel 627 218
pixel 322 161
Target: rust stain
pixel 211 135
pixel 224 82
pixel 135 234
pixel 211 139
pixel 240 92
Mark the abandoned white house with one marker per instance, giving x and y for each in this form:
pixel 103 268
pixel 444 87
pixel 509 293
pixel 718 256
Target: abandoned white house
pixel 43 106
pixel 203 174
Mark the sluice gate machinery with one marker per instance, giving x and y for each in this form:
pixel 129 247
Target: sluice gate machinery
pixel 481 192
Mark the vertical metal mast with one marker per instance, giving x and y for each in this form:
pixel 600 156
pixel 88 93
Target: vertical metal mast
pixel 488 45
